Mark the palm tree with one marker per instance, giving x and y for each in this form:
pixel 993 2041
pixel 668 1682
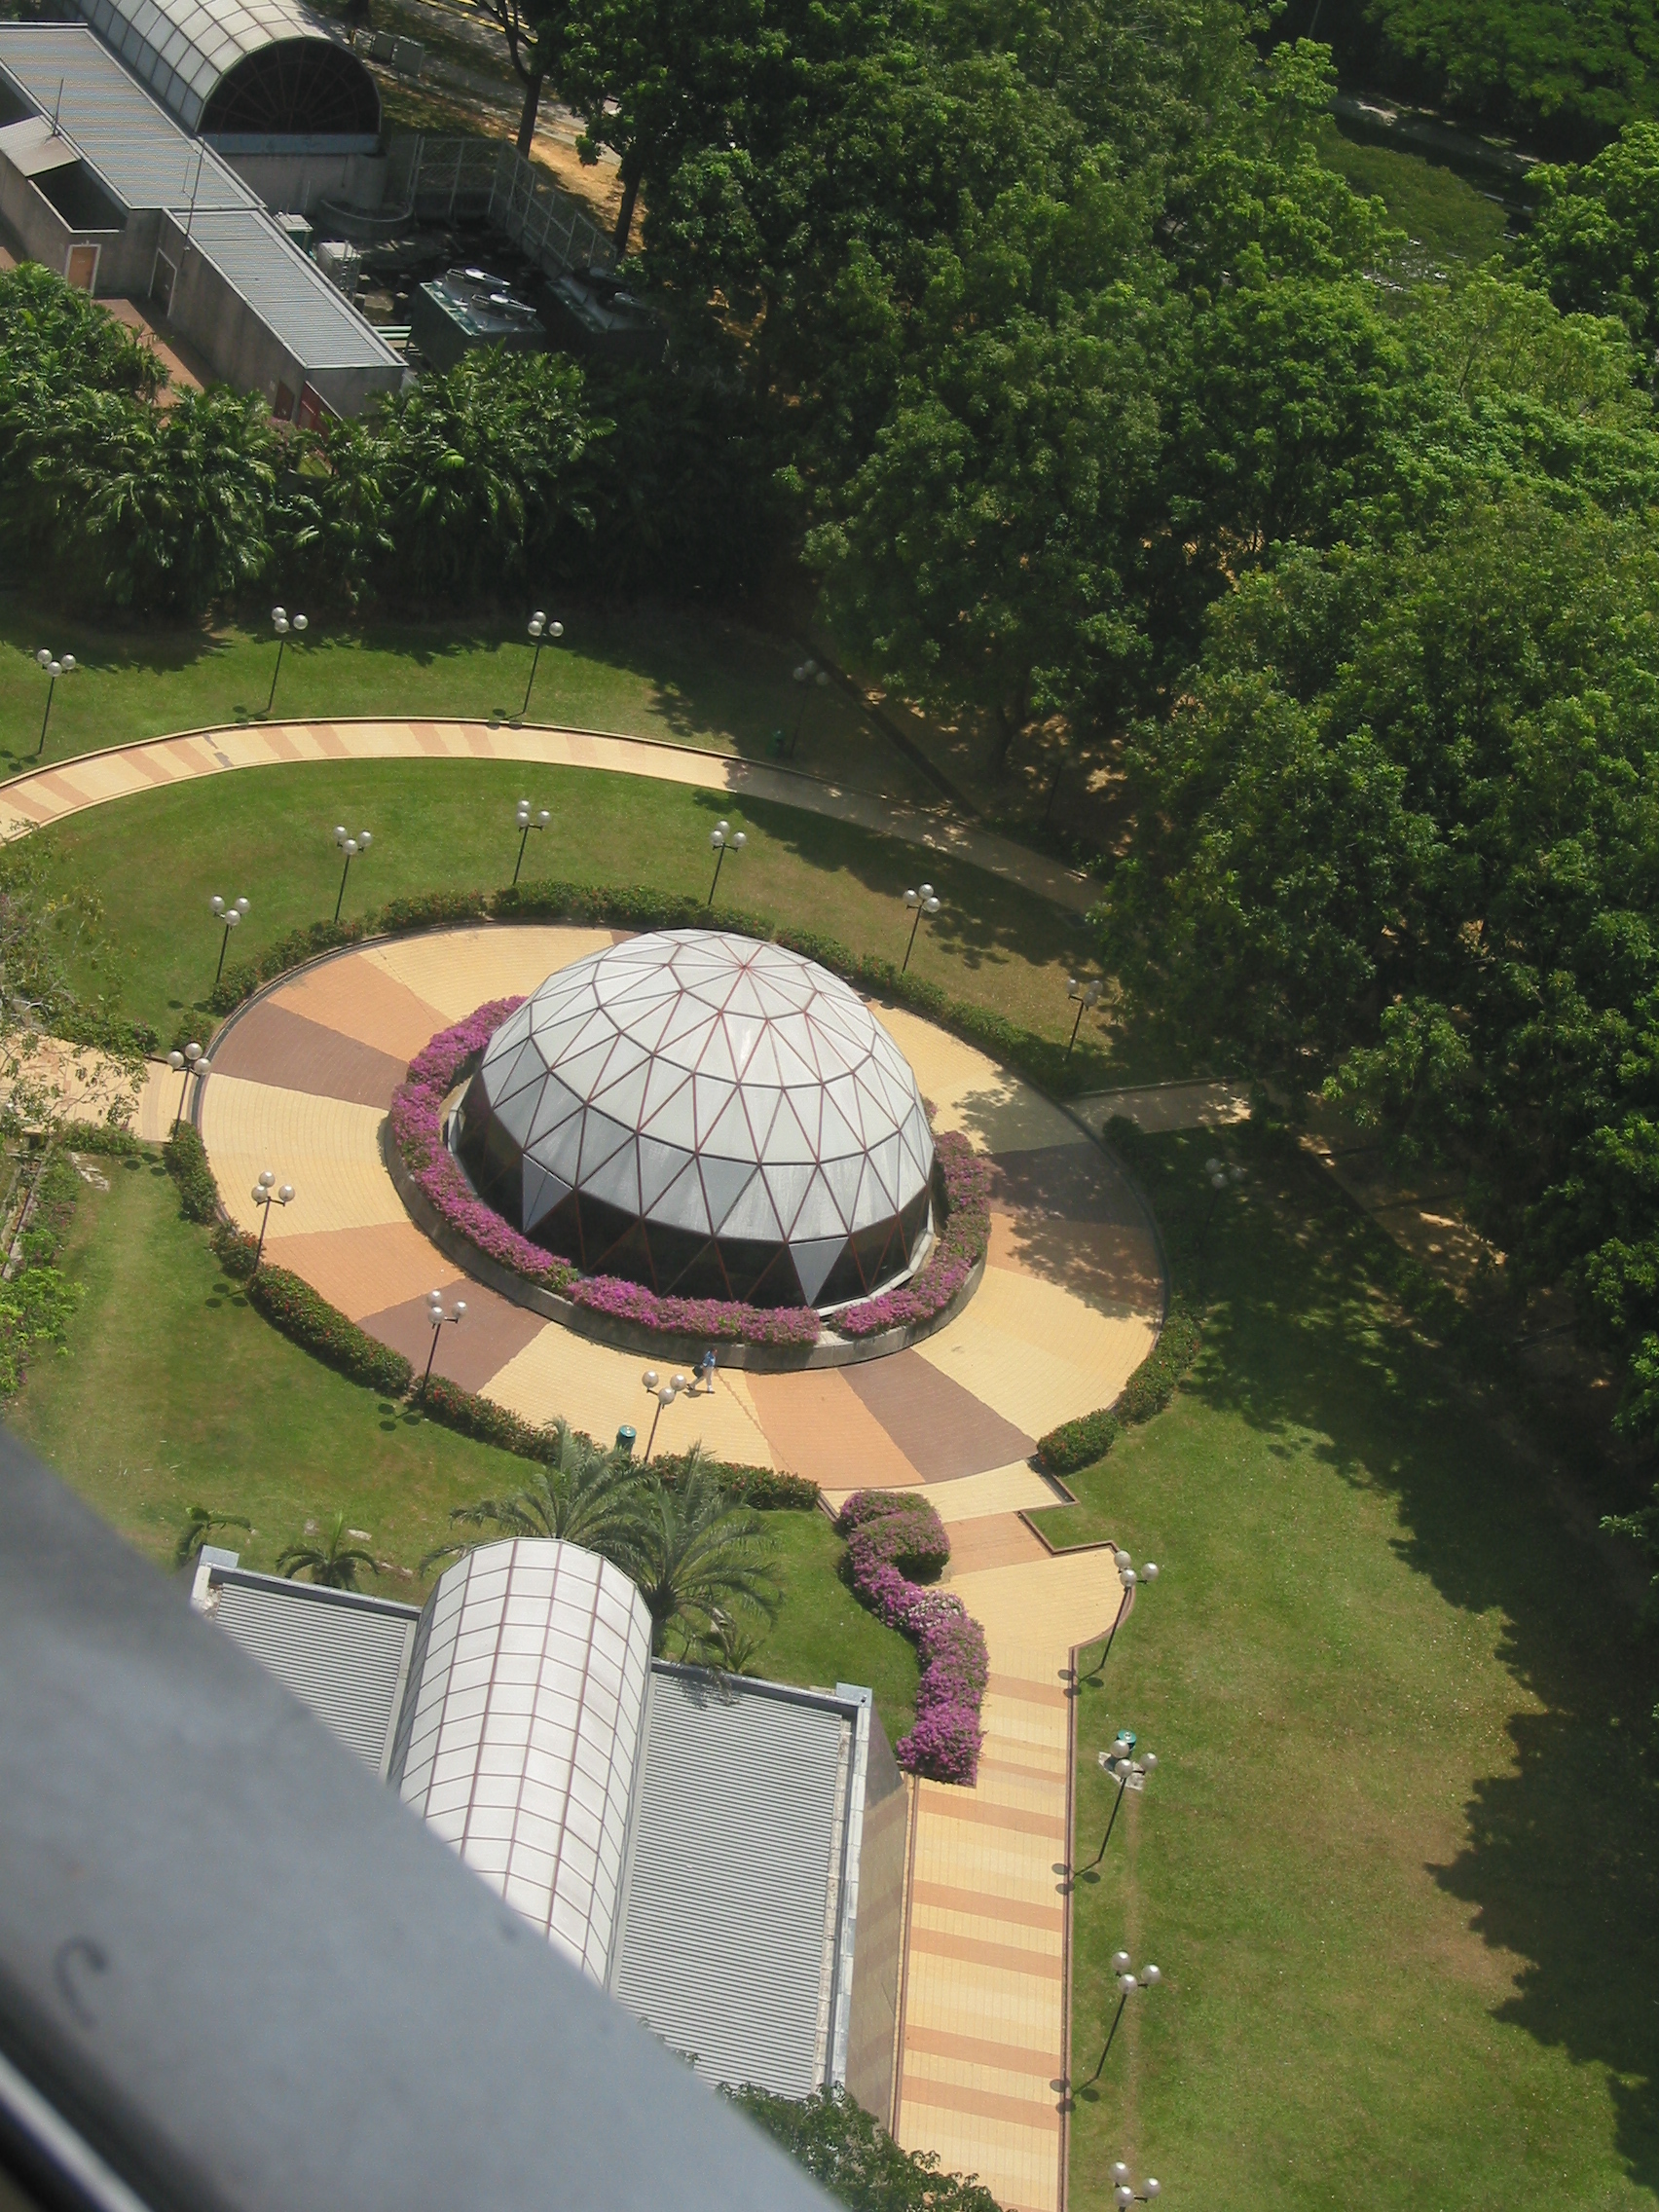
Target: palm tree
pixel 198 1526
pixel 582 1495
pixel 333 1565
pixel 698 1558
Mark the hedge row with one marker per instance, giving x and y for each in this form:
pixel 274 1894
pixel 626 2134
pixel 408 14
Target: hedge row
pixel 635 906
pixel 186 1158
pixel 466 1412
pixel 108 1143
pixel 1149 1390
pixel 294 1307
pixel 767 1489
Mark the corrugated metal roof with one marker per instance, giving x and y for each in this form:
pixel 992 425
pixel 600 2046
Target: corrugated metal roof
pixel 728 1944
pixel 146 160
pixel 342 1656
pixel 132 144
pixel 287 292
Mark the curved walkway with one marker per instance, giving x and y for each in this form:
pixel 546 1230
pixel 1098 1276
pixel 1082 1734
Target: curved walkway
pixel 52 792
pixel 1068 1305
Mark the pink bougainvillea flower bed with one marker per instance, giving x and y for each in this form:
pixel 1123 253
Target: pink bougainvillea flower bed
pixel 883 1528
pixel 957 1251
pixel 417 1127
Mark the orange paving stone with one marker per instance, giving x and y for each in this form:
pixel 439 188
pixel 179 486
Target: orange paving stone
pixel 359 998
pixel 819 1426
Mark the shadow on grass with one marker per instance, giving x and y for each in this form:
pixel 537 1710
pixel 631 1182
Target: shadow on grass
pixel 1306 1335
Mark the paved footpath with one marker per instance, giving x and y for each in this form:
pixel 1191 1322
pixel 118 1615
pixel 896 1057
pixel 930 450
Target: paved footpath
pixel 52 793
pixel 1067 1308
pixel 1068 1305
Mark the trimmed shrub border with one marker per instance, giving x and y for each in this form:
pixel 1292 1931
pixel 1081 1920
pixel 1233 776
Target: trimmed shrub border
pixel 413 1142
pixel 892 1536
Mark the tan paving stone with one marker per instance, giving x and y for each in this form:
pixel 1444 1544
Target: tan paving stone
pixel 459 970
pixel 359 998
pixel 994 1540
pixel 1004 1490
pixel 328 1149
pixel 1036 1353
pixel 598 1388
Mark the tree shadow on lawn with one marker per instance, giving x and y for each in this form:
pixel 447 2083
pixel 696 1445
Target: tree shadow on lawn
pixel 1303 1333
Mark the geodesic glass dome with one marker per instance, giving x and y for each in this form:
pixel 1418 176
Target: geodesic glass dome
pixel 706 1115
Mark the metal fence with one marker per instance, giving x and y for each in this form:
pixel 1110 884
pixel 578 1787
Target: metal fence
pixel 440 179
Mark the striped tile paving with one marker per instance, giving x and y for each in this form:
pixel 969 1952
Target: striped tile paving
pixel 1067 1306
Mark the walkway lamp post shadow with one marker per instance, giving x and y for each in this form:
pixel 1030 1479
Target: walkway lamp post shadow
pixel 541 630
pixel 1122 1762
pixel 439 1320
pixel 184 1063
pixel 55 668
pixel 665 1394
pixel 266 1194
pixel 1128 1983
pixel 808 675
pixel 1221 1178
pixel 921 903
pixel 1088 996
pixel 230 912
pixel 1127 1580
pixel 524 822
pixel 286 625
pixel 350 847
pixel 722 839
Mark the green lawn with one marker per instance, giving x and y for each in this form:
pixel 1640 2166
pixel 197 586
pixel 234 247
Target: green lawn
pixel 1446 220
pixel 695 678
pixel 1398 1860
pixel 267 833
pixel 172 1392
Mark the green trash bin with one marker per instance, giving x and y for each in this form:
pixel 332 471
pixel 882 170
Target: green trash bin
pixel 626 1439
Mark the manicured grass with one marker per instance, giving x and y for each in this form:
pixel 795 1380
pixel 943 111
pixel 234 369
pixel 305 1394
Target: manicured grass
pixel 823 1635
pixel 1446 220
pixel 267 833
pixel 695 678
pixel 172 1392
pixel 1397 1863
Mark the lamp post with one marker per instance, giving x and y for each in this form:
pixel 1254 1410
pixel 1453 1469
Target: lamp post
pixel 350 847
pixel 806 675
pixel 184 1063
pixel 286 625
pixel 665 1394
pixel 724 839
pixel 1128 1983
pixel 1127 1578
pixel 1221 1178
pixel 1120 1761
pixel 55 668
pixel 524 822
pixel 230 913
pixel 1088 996
pixel 440 1320
pixel 921 903
pixel 266 1194
pixel 541 630
pixel 1124 2190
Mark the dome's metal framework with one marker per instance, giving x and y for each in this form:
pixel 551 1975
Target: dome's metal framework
pixel 243 70
pixel 707 1115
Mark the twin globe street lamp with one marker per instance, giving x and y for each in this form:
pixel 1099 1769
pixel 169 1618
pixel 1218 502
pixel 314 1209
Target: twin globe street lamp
pixel 541 630
pixel 807 676
pixel 722 839
pixel 1087 997
pixel 286 625
pixel 1129 1981
pixel 665 1394
pixel 184 1063
pixel 1124 2190
pixel 439 1320
pixel 1130 1773
pixel 524 822
pixel 55 668
pixel 922 903
pixel 1127 1582
pixel 350 847
pixel 231 914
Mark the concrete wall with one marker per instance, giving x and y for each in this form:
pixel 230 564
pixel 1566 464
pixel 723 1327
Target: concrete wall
pixel 877 1958
pixel 292 184
pixel 126 252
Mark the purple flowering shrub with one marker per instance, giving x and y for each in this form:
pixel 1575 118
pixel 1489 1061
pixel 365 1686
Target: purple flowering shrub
pixel 417 1127
pixel 957 1251
pixel 945 1744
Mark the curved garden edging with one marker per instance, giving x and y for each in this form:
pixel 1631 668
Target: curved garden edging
pixel 629 1336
